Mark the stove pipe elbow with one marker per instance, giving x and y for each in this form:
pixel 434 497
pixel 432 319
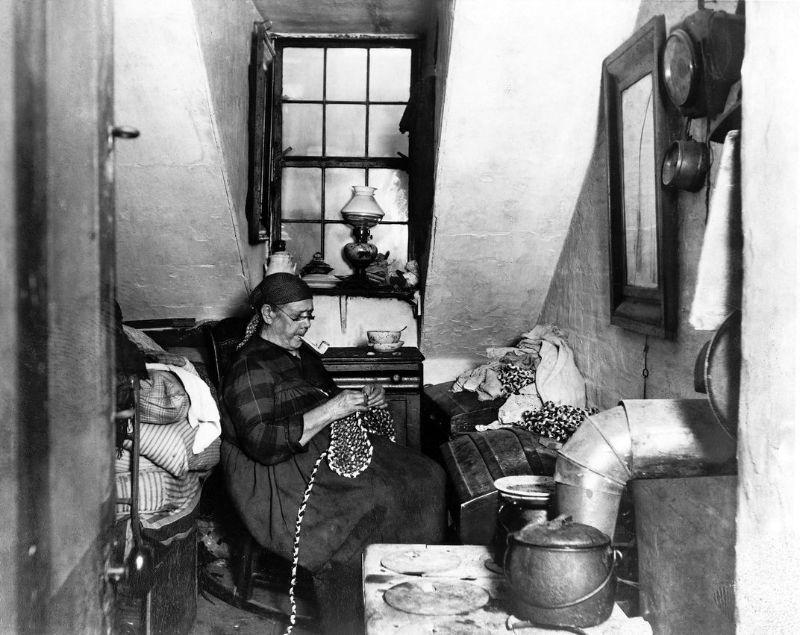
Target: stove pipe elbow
pixel 639 439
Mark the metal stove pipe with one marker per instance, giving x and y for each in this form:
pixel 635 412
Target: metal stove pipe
pixel 639 439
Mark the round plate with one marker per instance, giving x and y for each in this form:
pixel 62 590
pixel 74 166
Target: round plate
pixel 722 366
pixel 526 487
pixel 435 597
pixel 321 280
pixel 420 561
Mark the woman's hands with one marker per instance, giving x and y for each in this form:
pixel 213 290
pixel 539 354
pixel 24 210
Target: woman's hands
pixel 346 403
pixel 349 401
pixel 343 404
pixel 374 396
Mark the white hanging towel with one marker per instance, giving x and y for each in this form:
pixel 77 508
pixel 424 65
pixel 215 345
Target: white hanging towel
pixel 203 411
pixel 718 291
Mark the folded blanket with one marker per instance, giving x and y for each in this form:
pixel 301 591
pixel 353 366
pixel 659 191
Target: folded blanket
pixel 162 398
pixel 158 491
pixel 170 448
pixel 122 463
pixel 203 412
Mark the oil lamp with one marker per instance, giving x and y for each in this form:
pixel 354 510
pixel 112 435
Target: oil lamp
pixel 361 212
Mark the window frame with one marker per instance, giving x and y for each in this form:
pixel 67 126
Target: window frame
pixel 278 161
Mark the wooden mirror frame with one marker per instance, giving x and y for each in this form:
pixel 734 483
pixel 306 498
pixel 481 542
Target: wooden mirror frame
pixel 651 310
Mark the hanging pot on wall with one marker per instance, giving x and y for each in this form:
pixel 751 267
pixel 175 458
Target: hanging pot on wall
pixel 685 165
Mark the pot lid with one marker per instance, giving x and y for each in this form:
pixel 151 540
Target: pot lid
pixel 721 362
pixel 562 534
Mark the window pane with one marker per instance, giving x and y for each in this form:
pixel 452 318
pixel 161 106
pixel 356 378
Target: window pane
pixel 336 237
pixel 302 73
pixel 338 182
pixel 302 241
pixel 389 74
pixel 385 139
pixel 302 129
pixel 344 134
pixel 394 239
pixel 392 193
pixel 347 75
pixel 301 193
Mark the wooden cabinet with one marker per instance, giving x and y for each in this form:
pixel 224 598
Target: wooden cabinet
pixel 400 374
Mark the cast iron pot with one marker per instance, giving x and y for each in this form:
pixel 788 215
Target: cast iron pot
pixel 561 574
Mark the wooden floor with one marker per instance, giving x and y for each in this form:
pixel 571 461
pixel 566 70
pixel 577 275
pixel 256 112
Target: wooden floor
pixel 215 617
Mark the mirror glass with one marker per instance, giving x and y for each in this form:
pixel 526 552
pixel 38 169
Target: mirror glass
pixel 639 196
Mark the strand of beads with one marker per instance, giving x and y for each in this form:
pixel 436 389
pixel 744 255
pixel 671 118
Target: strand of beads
pixel 350 450
pixel 557 422
pixel 514 378
pixel 379 421
pixel 301 511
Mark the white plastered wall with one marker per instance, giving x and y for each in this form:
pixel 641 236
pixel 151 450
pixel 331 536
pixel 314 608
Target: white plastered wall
pixel 517 131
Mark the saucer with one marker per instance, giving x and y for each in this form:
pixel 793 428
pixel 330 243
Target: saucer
pixel 526 487
pixel 321 281
pixel 386 348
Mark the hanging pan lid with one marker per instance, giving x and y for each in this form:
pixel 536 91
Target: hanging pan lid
pixel 717 372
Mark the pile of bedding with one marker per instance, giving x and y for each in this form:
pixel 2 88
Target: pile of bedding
pixel 179 438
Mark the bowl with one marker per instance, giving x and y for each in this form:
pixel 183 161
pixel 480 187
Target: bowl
pixel 383 337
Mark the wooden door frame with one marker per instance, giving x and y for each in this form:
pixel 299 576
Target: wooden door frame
pixel 60 109
pixel 32 426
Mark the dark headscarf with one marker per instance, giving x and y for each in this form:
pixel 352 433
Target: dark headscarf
pixel 279 288
pixel 275 289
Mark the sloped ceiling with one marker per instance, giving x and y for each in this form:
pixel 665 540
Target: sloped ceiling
pixel 346 16
pixel 180 206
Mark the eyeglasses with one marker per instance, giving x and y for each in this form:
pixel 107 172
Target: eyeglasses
pixel 307 316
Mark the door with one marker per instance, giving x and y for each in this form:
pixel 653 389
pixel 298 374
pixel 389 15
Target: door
pixel 58 347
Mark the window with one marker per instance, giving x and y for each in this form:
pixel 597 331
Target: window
pixel 336 111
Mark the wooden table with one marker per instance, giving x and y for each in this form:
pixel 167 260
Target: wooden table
pixel 381 618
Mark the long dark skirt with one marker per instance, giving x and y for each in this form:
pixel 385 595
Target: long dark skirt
pixel 398 498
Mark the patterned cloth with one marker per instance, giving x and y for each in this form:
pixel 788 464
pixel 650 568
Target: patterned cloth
pixel 399 498
pixel 162 399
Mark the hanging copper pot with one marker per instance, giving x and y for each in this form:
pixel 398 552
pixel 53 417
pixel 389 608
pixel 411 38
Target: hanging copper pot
pixel 685 165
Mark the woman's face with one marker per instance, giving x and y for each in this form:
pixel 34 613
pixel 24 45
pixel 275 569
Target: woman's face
pixel 289 322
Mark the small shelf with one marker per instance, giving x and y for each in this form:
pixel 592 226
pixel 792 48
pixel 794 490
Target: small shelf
pixel 367 292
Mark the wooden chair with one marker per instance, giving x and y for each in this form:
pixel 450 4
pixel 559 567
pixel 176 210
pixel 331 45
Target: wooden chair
pixel 260 579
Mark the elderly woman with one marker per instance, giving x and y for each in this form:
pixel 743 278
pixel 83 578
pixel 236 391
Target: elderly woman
pixel 278 402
